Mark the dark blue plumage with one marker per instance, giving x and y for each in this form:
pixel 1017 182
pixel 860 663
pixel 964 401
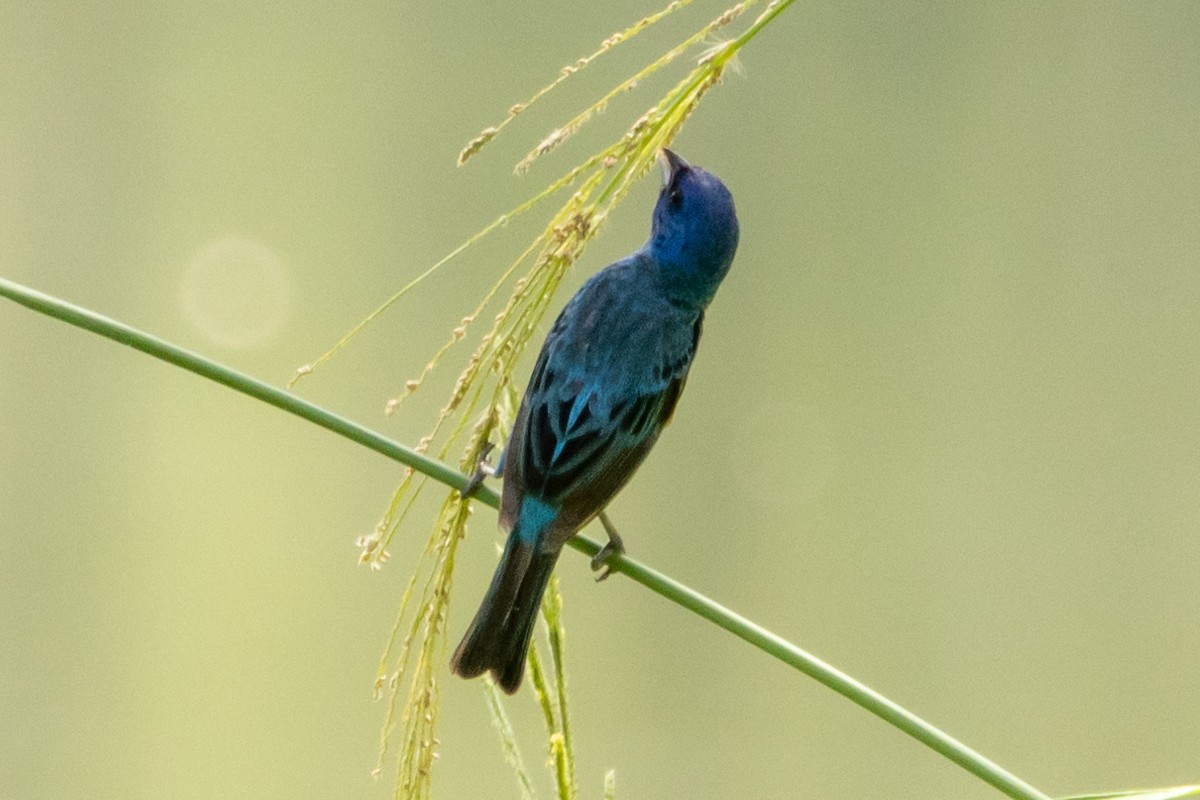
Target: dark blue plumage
pixel 604 386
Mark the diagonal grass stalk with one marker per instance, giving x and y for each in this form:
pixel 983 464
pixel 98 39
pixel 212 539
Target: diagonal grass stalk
pixel 672 590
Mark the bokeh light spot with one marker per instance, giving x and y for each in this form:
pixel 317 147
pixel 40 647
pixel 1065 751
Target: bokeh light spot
pixel 237 292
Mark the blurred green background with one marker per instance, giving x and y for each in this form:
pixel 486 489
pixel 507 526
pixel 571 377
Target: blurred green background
pixel 944 429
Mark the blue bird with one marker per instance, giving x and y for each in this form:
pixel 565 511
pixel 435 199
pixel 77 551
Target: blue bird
pixel 605 384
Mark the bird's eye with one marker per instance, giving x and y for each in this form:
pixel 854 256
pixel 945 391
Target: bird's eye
pixel 675 198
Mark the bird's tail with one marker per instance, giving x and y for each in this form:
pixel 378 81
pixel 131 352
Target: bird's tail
pixel 498 638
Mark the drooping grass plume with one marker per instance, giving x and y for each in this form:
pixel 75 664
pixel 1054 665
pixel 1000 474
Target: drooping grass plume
pixel 561 134
pixel 551 694
pixel 487 134
pixel 508 739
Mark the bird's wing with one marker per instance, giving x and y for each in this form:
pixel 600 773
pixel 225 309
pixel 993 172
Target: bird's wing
pixel 581 433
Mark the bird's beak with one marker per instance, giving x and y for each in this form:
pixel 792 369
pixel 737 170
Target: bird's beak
pixel 671 164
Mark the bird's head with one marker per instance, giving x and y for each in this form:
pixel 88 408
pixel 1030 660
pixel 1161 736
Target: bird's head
pixel 695 230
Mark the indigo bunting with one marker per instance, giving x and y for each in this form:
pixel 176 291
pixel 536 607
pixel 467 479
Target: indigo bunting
pixel 605 384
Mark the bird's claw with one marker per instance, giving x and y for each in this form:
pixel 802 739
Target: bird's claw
pixel 613 547
pixel 482 470
pixel 600 561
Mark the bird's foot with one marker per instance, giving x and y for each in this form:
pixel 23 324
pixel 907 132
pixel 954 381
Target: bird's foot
pixel 482 470
pixel 613 547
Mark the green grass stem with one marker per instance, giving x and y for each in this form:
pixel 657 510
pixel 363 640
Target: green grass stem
pixel 661 584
